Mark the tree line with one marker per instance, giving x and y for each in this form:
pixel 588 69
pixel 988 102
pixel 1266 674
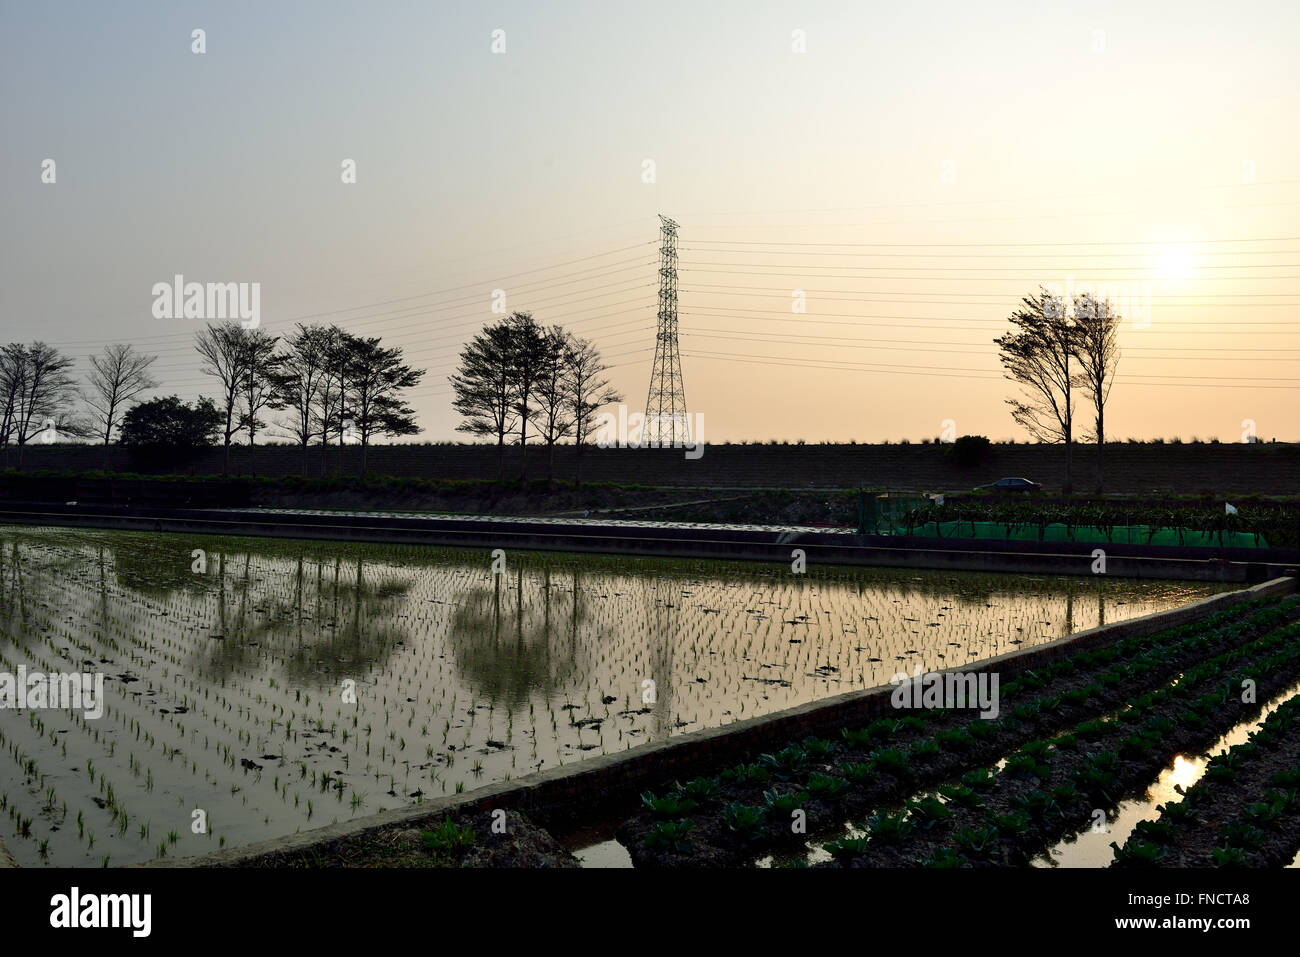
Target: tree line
pixel 329 386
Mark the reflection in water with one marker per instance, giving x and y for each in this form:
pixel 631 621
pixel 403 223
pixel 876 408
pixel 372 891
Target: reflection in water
pixel 509 659
pixel 281 685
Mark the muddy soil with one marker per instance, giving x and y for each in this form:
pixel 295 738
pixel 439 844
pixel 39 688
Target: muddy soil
pixel 522 844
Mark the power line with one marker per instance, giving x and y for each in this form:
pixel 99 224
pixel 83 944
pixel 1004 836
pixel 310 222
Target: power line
pixel 941 372
pixel 1003 245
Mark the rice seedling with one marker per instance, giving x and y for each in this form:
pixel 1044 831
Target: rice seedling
pixel 448 836
pixel 429 650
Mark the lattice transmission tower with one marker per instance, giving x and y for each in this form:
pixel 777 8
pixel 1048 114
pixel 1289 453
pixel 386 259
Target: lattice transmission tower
pixel 666 421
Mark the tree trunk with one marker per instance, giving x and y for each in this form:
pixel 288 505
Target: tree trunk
pixel 1101 450
pixel 523 448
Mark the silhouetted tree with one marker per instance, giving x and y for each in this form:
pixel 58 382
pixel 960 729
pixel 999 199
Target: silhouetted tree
pixel 299 381
pixel 587 390
pixel 39 393
pixel 484 387
pixel 1097 335
pixel 551 414
pixel 225 356
pixel 257 388
pixel 528 361
pixel 377 377
pixel 1037 355
pixel 166 432
pixel 117 377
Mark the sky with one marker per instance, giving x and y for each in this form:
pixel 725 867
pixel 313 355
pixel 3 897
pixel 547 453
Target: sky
pixel 912 170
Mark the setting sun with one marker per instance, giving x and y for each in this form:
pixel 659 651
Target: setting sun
pixel 1175 262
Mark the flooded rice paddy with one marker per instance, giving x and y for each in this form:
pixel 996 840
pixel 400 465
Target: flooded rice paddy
pixel 256 688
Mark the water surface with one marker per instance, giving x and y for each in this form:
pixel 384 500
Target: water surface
pixel 277 686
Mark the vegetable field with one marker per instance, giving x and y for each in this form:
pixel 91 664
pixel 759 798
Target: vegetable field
pixel 1076 738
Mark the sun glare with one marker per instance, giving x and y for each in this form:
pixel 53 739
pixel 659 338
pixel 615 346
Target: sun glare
pixel 1175 263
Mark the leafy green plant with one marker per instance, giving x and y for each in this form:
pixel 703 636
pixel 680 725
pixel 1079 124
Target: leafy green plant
pixel 701 790
pixel 976 841
pixel 1036 803
pixel 1015 822
pixel 889 828
pixel 892 761
pixel 672 804
pixel 845 849
pixel 826 786
pixel 1159 831
pixel 786 763
pixel 944 858
pixel 783 805
pixel 927 812
pixel 669 835
pixel 926 749
pixel 1289 779
pixel 817 748
pixel 962 796
pixel 1229 857
pixel 979 778
pixel 746 820
pixel 1242 834
pixel 1137 853
pixel 1026 766
pixel 956 739
pixel 858 772
pixel 748 774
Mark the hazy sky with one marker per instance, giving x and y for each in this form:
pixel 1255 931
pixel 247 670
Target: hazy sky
pixel 915 171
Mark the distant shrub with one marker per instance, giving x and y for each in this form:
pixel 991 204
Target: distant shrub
pixel 968 451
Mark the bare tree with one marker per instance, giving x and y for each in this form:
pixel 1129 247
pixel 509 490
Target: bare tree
pixel 1036 354
pixel 1097 325
pixel 299 381
pixel 587 391
pixel 257 387
pixel 117 378
pixel 483 388
pixel 43 392
pixel 225 357
pixel 552 415
pixel 13 373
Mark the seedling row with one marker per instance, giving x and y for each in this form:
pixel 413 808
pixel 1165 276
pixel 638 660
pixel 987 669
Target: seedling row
pixel 749 806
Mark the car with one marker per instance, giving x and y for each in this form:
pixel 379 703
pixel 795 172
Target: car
pixel 1022 485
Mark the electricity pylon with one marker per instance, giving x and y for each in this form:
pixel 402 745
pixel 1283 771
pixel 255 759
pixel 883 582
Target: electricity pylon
pixel 665 407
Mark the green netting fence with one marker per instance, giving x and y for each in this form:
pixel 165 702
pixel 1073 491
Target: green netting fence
pixel 1056 532
pixel 895 514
